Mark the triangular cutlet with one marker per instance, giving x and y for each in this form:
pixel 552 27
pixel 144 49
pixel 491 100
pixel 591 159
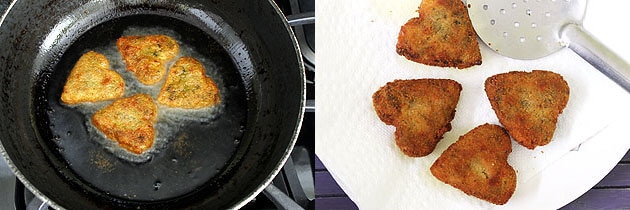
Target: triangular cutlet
pixel 91 80
pixel 129 121
pixel 146 56
pixel 420 109
pixel 528 104
pixel 187 86
pixel 477 164
pixel 441 36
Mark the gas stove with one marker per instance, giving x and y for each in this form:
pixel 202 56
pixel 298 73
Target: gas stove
pixel 295 180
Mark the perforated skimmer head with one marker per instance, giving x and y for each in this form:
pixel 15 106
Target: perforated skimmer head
pixel 524 29
pixel 531 29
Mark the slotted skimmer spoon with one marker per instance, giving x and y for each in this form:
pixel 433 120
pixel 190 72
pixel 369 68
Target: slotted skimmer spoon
pixel 532 29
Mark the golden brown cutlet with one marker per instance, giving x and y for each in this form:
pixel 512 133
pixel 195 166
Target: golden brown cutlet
pixel 129 121
pixel 187 86
pixel 420 109
pixel 91 80
pixel 528 104
pixel 442 35
pixel 146 56
pixel 477 164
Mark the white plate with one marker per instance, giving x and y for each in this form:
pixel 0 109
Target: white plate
pixel 356 55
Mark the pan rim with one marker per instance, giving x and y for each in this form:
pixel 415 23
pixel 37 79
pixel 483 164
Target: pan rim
pixel 300 116
pixel 18 174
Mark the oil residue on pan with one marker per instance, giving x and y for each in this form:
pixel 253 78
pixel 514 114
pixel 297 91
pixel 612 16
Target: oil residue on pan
pixel 191 146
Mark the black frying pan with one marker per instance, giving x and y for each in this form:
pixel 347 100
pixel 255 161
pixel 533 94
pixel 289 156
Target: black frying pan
pixel 216 163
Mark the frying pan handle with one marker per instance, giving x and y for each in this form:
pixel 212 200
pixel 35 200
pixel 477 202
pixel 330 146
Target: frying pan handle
pixel 18 196
pixel 301 18
pixel 282 201
pixel 595 53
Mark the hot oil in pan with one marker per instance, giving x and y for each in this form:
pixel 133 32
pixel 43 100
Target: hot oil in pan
pixel 191 147
pixel 170 120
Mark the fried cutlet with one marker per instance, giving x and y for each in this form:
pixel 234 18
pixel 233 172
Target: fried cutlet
pixel 187 86
pixel 91 80
pixel 477 164
pixel 146 56
pixel 528 104
pixel 420 109
pixel 129 121
pixel 442 35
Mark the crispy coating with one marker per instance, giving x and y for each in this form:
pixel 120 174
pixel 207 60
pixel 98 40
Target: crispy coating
pixel 187 86
pixel 91 80
pixel 129 121
pixel 420 109
pixel 442 35
pixel 477 164
pixel 528 104
pixel 146 56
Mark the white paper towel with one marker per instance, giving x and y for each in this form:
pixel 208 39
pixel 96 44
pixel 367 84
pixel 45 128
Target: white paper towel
pixel 356 55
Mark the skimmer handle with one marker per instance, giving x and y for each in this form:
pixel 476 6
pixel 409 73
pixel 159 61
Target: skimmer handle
pixel 599 56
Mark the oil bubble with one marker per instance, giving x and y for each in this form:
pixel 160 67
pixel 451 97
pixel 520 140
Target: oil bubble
pixel 157 185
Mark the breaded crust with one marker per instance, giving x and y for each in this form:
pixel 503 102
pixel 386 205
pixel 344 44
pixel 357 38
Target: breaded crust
pixel 477 164
pixel 441 36
pixel 129 121
pixel 146 56
pixel 91 80
pixel 420 109
pixel 187 86
pixel 528 104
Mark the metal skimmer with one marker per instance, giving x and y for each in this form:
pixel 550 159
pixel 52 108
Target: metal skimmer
pixel 532 29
